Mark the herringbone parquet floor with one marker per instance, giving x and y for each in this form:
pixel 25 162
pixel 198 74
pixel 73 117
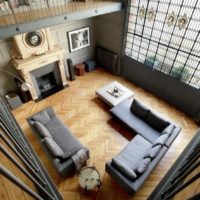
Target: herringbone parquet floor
pixel 88 118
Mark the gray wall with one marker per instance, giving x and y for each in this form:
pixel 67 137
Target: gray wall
pixel 59 34
pixel 109 30
pixel 6 82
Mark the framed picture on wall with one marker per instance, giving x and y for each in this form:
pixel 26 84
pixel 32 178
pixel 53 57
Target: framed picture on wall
pixel 79 38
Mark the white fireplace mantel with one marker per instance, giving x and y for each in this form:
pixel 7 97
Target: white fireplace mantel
pixel 25 66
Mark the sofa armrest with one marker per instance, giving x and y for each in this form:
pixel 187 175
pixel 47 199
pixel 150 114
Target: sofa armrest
pixel 67 167
pixel 64 168
pixel 173 136
pixel 50 112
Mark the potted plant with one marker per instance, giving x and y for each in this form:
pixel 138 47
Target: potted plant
pixel 151 61
pixel 180 73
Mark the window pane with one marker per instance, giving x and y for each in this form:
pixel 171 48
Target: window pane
pixel 176 48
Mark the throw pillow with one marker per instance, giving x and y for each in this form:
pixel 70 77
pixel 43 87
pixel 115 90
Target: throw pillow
pixel 139 109
pixel 156 122
pixel 143 165
pixel 124 169
pixel 31 122
pixel 53 147
pixel 67 155
pixel 153 152
pixel 168 130
pixel 161 140
pixel 43 131
pixel 42 117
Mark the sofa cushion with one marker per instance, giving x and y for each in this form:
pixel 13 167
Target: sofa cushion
pixel 143 165
pixel 161 140
pixel 156 122
pixel 63 136
pixel 153 152
pixel 42 130
pixel 139 109
pixel 134 152
pixel 124 169
pixel 53 147
pixel 42 117
pixel 70 154
pixel 168 130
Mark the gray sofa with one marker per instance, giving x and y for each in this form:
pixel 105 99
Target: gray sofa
pixel 131 167
pixel 143 121
pixel 56 139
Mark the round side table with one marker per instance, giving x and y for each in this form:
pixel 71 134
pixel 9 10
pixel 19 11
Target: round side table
pixel 89 178
pixel 80 69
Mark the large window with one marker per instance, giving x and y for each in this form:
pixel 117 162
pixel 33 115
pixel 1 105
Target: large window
pixel 165 35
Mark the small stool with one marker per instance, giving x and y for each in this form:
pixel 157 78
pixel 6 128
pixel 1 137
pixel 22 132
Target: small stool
pixel 80 69
pixel 13 100
pixel 90 65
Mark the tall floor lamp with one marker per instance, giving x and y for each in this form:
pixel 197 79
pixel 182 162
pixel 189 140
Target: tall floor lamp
pixel 24 86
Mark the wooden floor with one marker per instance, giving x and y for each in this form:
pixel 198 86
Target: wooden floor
pixel 88 118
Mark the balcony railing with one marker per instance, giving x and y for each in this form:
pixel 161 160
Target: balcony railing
pixel 20 164
pixel 14 14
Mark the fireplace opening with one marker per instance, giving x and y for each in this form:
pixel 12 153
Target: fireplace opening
pixel 47 85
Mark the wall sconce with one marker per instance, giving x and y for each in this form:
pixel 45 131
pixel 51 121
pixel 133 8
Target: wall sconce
pixel 150 14
pixel 142 12
pixel 171 19
pixel 182 21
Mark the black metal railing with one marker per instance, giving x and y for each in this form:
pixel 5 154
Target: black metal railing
pixel 16 148
pixel 32 15
pixel 16 12
pixel 185 172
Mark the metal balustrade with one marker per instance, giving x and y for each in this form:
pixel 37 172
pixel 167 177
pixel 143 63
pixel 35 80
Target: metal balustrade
pixel 15 147
pixel 38 9
pixel 28 15
pixel 185 172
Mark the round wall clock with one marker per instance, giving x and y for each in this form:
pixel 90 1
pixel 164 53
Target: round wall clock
pixel 34 38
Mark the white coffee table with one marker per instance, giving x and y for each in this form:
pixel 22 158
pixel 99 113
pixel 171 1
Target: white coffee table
pixel 114 93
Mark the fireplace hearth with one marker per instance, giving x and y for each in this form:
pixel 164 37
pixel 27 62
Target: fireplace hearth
pixel 47 85
pixel 46 80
